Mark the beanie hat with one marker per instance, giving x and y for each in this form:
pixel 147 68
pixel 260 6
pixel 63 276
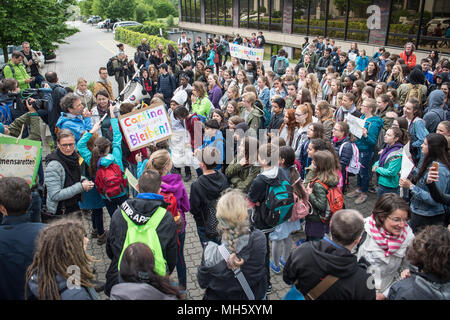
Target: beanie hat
pixel 180 97
pixel 416 77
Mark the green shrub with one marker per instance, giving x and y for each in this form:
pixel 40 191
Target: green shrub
pixel 151 28
pixel 134 38
pixel 170 21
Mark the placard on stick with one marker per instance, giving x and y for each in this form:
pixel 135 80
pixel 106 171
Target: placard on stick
pixel 145 126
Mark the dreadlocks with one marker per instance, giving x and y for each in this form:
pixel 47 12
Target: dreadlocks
pixel 59 246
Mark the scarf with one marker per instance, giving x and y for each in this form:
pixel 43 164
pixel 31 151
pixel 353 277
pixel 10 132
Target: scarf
pixel 386 151
pixel 386 241
pixel 336 140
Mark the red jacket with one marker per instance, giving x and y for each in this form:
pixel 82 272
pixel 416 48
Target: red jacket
pixel 412 59
pixel 190 125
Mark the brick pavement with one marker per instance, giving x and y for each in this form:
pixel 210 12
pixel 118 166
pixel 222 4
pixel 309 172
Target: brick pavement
pixel 83 58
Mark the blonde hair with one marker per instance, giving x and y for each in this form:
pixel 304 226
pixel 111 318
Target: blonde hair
pixel 314 87
pixel 250 96
pixel 81 80
pixel 306 108
pixel 232 216
pixel 159 160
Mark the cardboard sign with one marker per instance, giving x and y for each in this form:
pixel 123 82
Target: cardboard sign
pixel 145 126
pixel 20 158
pixel 356 125
pixel 246 53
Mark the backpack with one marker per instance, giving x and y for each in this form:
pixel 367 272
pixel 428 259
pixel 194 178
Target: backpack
pixel 110 181
pixel 2 71
pixel 216 55
pixel 414 92
pixel 280 66
pixel 5 113
pixel 170 199
pixel 110 68
pixel 380 140
pixel 210 219
pixel 279 203
pixel 146 234
pixel 335 202
pixel 301 208
pixel 354 165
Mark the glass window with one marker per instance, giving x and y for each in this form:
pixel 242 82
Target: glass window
pixel 433 36
pixel 403 25
pixel 229 12
pixel 317 18
pixel 300 18
pixel 264 15
pixel 276 23
pixel 243 13
pixel 357 21
pixel 183 10
pixel 336 19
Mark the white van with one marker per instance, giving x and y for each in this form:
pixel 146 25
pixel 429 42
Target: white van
pixel 125 24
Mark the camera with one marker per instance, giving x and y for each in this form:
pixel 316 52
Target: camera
pixel 20 98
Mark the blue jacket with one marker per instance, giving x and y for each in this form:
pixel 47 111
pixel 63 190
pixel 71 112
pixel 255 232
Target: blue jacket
pixel 418 133
pixel 114 157
pixel 217 142
pixel 17 247
pixel 421 201
pixel 362 63
pixel 76 124
pixel 81 293
pixel 373 126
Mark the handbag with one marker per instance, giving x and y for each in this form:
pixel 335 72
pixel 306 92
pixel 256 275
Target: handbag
pixel 293 294
pixel 314 293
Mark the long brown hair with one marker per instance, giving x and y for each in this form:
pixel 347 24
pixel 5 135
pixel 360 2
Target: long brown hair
pixel 291 126
pixel 59 246
pixel 325 167
pixel 100 146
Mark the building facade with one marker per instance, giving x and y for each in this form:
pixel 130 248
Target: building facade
pixel 388 23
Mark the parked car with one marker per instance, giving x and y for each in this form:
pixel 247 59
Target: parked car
pixel 106 23
pixel 94 19
pixel 445 22
pixel 44 55
pixel 125 24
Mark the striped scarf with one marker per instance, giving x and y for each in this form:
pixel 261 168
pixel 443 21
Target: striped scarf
pixel 386 241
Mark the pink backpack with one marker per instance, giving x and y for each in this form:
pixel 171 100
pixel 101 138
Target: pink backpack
pixel 301 208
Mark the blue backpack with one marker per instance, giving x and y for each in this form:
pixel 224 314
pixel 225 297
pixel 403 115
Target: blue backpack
pixel 202 118
pixel 5 112
pixel 279 203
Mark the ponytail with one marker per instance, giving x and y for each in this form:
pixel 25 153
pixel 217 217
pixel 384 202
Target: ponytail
pixel 401 134
pixel 100 146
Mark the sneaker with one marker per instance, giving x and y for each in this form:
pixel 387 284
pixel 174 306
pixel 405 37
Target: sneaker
pixel 274 268
pixel 187 177
pixel 361 199
pixel 94 234
pixel 283 263
pixel 354 194
pixel 102 239
pixel 372 189
pixel 269 289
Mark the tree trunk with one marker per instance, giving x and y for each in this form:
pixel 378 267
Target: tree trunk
pixel 5 52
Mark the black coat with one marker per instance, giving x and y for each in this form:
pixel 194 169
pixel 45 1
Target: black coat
pixel 220 282
pixel 315 260
pixel 166 231
pixel 17 246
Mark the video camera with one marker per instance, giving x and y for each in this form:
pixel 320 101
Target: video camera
pixel 27 94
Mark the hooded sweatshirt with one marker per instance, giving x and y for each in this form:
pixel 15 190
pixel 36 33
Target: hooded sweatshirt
pixel 76 124
pixel 206 188
pixel 138 291
pixel 434 113
pixel 172 183
pixel 81 293
pixel 314 260
pixel 140 210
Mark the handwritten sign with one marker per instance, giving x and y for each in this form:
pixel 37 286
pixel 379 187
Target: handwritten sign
pixel 19 158
pixel 145 126
pixel 246 53
pixel 356 125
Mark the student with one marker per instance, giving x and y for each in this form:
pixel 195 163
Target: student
pixel 246 248
pixel 60 246
pixel 416 128
pixel 390 163
pixel 166 83
pixel 251 113
pixel 105 156
pixel 289 127
pixel 324 174
pixel 139 211
pixel 348 107
pixel 242 171
pixel 17 237
pixel 140 281
pixel 200 102
pixel 213 138
pixel 281 237
pixel 315 131
pixel 206 190
pixel 324 114
pixel 344 148
pixel 278 104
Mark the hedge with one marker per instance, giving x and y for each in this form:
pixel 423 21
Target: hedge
pixel 134 38
pixel 151 28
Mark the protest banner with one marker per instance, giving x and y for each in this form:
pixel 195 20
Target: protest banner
pixel 407 164
pixel 131 179
pixel 246 53
pixel 20 158
pixel 356 125
pixel 145 126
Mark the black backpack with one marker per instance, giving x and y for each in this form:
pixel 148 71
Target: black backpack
pixel 210 219
pixel 110 68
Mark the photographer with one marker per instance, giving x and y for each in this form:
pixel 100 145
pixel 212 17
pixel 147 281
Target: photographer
pixel 16 70
pixel 32 65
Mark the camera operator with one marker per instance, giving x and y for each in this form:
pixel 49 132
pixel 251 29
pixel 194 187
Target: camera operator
pixel 32 64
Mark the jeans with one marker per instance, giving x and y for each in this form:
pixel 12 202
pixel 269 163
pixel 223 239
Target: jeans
pixel 382 190
pixel 97 220
pixel 38 79
pixel 364 173
pixel 181 263
pixel 202 235
pixel 267 260
pixel 111 205
pixel 34 210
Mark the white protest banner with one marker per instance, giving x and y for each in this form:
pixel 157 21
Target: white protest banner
pixel 246 53
pixel 407 164
pixel 356 125
pixel 19 158
pixel 145 126
pixel 131 179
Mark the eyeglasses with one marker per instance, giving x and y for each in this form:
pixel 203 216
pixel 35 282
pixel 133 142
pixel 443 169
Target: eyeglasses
pixel 68 145
pixel 398 220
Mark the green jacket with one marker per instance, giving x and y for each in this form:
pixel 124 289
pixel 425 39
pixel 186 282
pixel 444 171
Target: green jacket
pixel 389 173
pixel 202 106
pixel 387 122
pixel 241 177
pixel 318 200
pixel 20 74
pixel 254 118
pixel 28 118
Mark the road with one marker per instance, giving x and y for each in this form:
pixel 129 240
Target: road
pixel 82 56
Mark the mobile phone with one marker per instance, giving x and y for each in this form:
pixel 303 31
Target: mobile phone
pixel 435 166
pixel 103 118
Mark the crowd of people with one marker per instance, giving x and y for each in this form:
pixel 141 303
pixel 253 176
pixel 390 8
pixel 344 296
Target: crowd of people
pixel 273 152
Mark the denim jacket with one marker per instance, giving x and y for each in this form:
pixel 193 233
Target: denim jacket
pixel 421 201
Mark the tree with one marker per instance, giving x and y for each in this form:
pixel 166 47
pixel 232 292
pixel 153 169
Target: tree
pixel 99 7
pixel 86 7
pixel 144 12
pixel 40 22
pixel 164 9
pixel 121 9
